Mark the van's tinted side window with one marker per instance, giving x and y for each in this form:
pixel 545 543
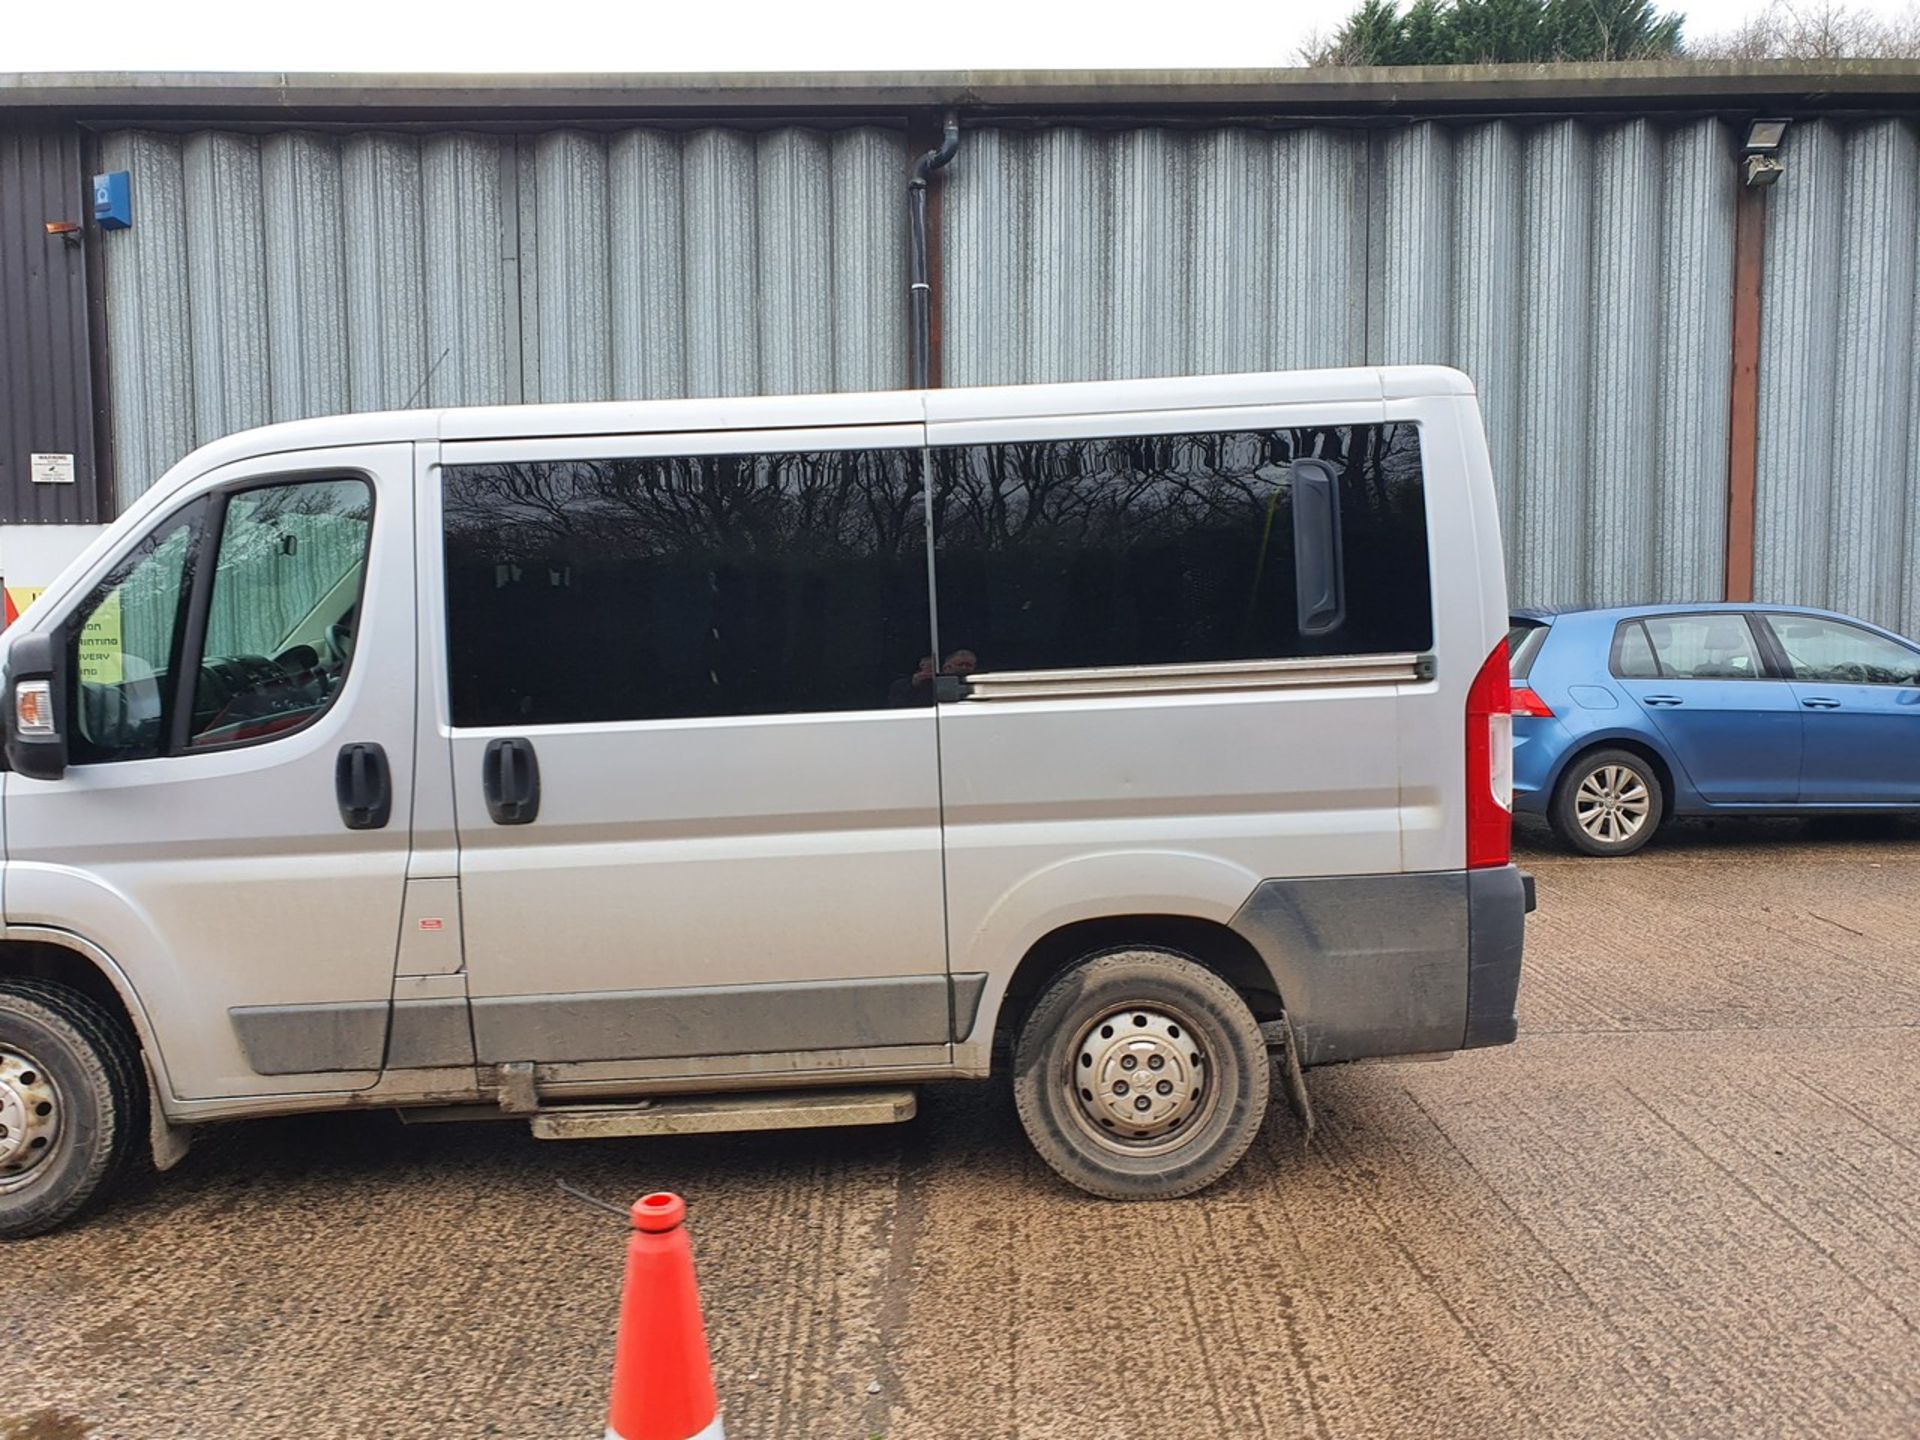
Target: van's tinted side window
pixel 1171 549
pixel 670 587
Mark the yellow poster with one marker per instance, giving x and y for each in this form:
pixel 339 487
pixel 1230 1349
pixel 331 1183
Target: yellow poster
pixel 18 598
pixel 100 662
pixel 100 644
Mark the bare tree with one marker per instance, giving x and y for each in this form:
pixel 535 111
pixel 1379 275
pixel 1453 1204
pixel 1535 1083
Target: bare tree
pixel 1816 30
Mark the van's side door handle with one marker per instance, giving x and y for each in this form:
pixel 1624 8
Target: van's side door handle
pixel 1820 702
pixel 364 786
pixel 510 776
pixel 1663 699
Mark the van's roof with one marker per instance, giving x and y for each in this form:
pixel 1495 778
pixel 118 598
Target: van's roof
pixel 781 412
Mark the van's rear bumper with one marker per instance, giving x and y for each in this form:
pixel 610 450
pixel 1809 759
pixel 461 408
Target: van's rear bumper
pixel 1498 903
pixel 1371 965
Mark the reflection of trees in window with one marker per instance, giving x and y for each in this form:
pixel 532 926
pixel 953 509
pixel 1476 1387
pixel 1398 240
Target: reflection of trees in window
pixel 1172 548
pixel 654 587
pixel 855 502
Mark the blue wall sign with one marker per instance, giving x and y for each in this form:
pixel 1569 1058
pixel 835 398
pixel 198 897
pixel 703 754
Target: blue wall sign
pixel 113 200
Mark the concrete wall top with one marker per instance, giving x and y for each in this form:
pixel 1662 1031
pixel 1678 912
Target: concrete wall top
pixel 1669 86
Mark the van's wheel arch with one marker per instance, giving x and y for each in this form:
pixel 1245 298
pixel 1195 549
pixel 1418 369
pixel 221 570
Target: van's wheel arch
pixel 1608 801
pixel 1140 1074
pixel 72 1103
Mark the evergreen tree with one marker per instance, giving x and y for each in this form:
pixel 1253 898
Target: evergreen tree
pixel 1478 32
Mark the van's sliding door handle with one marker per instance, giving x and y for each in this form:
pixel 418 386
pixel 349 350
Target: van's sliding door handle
pixel 510 776
pixel 364 786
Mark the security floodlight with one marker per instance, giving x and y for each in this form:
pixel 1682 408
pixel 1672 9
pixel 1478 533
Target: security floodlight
pixel 1760 155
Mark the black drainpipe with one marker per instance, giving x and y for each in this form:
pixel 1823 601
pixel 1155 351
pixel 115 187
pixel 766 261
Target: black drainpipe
pixel 920 293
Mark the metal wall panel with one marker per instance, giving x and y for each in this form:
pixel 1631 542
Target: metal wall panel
pixel 570 248
pixel 645 179
pixel 1077 254
pixel 386 273
pixel 1625 302
pixel 306 258
pixel 1836 501
pixel 1546 555
pixel 1579 272
pixel 46 382
pixel 1484 309
pixel 227 278
pixel 1694 354
pixel 149 337
pixel 299 274
pixel 1910 552
pixel 869 266
pixel 472 271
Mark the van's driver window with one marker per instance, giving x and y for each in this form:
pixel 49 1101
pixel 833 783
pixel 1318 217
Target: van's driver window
pixel 286 595
pixel 122 646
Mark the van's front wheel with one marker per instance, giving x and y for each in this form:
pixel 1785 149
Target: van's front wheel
pixel 70 1091
pixel 1140 1075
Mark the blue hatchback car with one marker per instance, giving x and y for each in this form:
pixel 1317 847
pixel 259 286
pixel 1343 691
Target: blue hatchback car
pixel 1626 716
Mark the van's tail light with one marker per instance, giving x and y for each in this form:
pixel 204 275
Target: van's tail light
pixel 1527 701
pixel 1490 764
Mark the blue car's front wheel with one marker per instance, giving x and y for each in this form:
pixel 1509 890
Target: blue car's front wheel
pixel 1608 802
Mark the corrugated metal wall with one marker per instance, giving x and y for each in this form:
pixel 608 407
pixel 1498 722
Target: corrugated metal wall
pixel 1838 519
pixel 46 388
pixel 1581 271
pixel 268 278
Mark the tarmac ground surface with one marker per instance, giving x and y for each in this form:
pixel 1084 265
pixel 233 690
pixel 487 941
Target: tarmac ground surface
pixel 1682 1204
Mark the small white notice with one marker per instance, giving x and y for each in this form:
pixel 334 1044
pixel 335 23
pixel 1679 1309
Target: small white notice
pixel 51 469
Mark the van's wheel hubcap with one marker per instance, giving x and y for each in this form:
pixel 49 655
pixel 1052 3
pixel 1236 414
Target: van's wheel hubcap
pixel 1140 1077
pixel 1612 804
pixel 29 1118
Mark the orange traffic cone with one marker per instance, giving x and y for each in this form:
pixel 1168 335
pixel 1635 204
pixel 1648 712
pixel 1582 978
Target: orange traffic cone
pixel 662 1374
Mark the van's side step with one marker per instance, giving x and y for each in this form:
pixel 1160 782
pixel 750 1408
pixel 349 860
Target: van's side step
pixel 715 1114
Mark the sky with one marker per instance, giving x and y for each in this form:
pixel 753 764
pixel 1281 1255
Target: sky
pixel 681 35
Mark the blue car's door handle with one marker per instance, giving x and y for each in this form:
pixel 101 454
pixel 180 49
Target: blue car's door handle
pixel 1663 699
pixel 1819 702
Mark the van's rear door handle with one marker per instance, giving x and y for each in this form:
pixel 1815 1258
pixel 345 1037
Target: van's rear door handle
pixel 364 786
pixel 1820 702
pixel 510 776
pixel 1663 699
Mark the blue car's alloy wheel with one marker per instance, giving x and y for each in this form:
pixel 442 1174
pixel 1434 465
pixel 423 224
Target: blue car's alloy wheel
pixel 1608 802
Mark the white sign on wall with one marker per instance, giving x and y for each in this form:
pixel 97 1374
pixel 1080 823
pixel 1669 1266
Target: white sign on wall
pixel 51 469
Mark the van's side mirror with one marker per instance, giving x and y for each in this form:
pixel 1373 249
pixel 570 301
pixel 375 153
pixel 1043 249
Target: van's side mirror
pixel 36 718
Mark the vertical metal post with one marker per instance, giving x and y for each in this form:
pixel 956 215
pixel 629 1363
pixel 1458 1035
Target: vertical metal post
pixel 1743 435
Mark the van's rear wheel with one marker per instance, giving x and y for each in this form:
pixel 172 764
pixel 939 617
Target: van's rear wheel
pixel 70 1094
pixel 1139 1075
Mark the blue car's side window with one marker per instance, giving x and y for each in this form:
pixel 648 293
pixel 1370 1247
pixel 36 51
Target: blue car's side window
pixel 1717 646
pixel 1633 657
pixel 1831 652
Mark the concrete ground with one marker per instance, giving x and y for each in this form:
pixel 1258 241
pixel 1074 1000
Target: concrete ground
pixel 1683 1204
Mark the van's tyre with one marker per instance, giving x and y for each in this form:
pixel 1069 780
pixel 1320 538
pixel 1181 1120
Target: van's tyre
pixel 1609 802
pixel 71 1097
pixel 1131 1026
